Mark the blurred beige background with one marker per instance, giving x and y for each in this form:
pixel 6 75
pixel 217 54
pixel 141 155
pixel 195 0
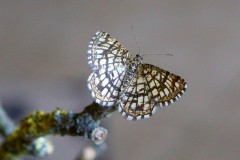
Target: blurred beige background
pixel 43 65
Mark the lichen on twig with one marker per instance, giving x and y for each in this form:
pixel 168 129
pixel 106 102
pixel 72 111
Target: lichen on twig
pixel 58 122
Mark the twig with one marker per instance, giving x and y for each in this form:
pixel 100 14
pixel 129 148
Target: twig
pixel 6 124
pixel 58 122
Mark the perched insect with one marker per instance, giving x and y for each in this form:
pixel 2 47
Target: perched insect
pixel 120 79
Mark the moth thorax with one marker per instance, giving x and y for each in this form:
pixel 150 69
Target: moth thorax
pixel 135 62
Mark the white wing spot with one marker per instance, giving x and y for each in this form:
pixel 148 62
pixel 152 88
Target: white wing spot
pixel 166 91
pixel 130 118
pixel 103 61
pixel 177 84
pixel 105 82
pixel 155 92
pixel 104 92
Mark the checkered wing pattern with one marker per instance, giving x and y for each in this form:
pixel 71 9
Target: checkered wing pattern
pixel 136 102
pixel 104 51
pixel 108 59
pixel 150 87
pixel 105 84
pixel 118 79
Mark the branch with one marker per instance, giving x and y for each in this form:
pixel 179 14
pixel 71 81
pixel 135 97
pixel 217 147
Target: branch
pixel 6 124
pixel 57 122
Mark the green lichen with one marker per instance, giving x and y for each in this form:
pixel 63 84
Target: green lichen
pixel 58 122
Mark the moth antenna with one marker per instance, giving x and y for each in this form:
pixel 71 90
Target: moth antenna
pixel 167 54
pixel 136 39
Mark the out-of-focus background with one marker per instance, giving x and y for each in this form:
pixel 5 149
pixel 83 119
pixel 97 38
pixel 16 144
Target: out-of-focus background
pixel 43 65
